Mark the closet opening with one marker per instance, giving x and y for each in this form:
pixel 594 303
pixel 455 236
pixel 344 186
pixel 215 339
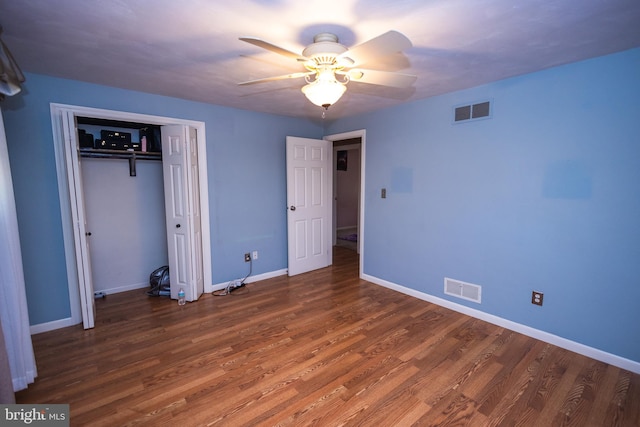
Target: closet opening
pixel 122 184
pixel 166 196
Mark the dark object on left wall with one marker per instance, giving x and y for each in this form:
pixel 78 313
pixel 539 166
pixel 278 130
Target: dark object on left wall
pixel 159 281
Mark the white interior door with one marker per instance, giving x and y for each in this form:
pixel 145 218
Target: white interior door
pixel 80 233
pixel 308 204
pixel 182 201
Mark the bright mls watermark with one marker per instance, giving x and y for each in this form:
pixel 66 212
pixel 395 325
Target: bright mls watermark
pixel 34 415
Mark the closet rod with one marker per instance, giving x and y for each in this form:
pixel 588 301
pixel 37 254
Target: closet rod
pixel 118 154
pixel 132 156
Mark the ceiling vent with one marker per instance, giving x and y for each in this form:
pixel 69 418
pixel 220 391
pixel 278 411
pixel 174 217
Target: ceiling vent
pixel 465 113
pixel 463 290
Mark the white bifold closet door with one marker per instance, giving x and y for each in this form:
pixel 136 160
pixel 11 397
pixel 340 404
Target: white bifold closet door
pixel 182 207
pixel 182 200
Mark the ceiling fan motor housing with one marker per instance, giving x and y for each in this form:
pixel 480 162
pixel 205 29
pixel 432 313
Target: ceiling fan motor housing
pixel 326 61
pixel 324 50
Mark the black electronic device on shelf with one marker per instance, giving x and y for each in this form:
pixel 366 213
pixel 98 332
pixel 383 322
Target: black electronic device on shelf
pixel 112 140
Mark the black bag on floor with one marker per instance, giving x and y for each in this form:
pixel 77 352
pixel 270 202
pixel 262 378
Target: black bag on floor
pixel 159 281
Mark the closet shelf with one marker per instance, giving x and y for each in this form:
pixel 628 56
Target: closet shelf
pixel 132 156
pixel 119 154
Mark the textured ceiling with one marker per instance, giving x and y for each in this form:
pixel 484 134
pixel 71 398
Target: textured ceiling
pixel 190 48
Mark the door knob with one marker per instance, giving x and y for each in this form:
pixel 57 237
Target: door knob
pixel 177 225
pixel 293 208
pixel 88 233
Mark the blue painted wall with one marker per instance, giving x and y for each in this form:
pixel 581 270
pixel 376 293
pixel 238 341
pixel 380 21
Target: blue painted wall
pixel 247 181
pixel 545 196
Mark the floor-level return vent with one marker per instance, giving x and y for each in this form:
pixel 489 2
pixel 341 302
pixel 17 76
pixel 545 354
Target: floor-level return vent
pixel 463 290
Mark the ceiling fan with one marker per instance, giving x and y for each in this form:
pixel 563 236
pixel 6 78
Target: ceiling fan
pixel 331 65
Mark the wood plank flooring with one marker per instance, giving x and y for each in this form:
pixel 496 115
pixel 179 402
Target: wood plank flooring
pixel 324 348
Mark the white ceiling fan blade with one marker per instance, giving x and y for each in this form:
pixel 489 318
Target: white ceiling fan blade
pixel 273 48
pixel 382 78
pixel 385 44
pixel 275 78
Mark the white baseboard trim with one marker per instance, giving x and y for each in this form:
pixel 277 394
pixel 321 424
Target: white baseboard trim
pixel 63 323
pixel 50 326
pixel 250 279
pixel 567 344
pixel 124 288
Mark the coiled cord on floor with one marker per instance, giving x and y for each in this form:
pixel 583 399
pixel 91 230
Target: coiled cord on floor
pixel 230 288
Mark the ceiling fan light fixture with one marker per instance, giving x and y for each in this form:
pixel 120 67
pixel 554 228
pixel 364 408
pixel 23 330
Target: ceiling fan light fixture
pixel 329 65
pixel 325 90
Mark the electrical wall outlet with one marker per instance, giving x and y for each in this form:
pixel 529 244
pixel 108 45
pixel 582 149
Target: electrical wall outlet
pixel 247 257
pixel 254 255
pixel 536 298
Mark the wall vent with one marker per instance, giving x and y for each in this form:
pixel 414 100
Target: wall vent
pixel 463 290
pixel 479 110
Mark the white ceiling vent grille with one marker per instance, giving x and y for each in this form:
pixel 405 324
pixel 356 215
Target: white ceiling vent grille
pixel 464 113
pixel 463 290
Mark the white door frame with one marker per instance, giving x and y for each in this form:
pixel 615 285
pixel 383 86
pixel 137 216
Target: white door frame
pixel 57 112
pixel 363 144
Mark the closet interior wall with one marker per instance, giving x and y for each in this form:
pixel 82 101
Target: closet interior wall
pixel 126 218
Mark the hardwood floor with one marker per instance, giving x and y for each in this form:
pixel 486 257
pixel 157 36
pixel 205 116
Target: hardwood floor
pixel 324 348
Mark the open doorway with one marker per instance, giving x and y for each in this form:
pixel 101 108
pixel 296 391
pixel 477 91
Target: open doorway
pixel 346 193
pixel 354 143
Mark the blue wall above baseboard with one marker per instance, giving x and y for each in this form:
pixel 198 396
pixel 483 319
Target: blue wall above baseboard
pixel 246 170
pixel 544 195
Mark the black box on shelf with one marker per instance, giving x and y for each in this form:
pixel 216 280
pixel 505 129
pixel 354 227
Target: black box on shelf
pixel 85 140
pixel 104 144
pixel 153 138
pixel 113 136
